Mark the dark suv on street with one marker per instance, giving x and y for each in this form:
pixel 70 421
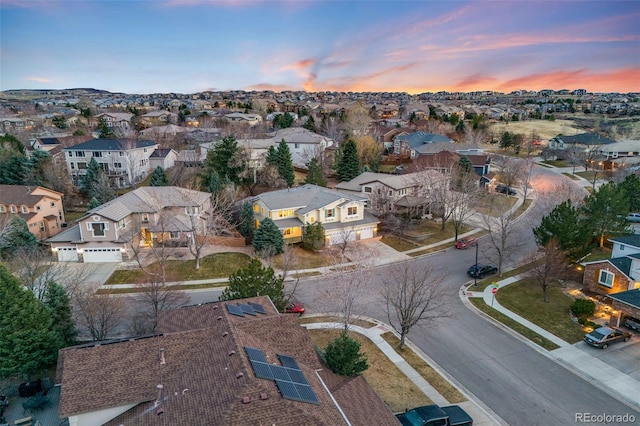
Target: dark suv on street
pixel 504 189
pixel 480 270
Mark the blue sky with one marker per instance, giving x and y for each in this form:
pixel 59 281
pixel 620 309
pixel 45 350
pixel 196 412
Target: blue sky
pixel 186 46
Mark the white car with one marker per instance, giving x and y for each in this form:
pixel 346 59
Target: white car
pixel 634 217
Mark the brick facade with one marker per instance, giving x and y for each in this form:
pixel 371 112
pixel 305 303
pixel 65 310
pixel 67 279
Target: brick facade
pixel 592 272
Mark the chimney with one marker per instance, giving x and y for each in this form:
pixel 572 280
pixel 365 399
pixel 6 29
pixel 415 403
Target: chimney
pixel 162 360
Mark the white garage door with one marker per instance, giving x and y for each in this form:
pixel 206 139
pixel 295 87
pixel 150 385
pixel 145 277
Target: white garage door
pixel 366 233
pixel 341 237
pixel 107 254
pixel 67 254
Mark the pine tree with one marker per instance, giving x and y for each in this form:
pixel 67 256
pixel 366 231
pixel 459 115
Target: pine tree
pixel 349 164
pixel 93 203
pixel 310 124
pixel 268 239
pixel 343 356
pixel 285 164
pixel 215 184
pixel 315 174
pixel 105 130
pixel 247 225
pixel 255 280
pixel 28 343
pixel 56 300
pixel 159 177
pixel 220 160
pixel 91 178
pixel 16 235
pixel 313 236
pixel 272 156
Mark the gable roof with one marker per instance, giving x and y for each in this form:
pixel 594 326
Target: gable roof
pixel 392 181
pixel 585 139
pixel 112 145
pixel 628 240
pixel 206 374
pixel 629 297
pixel 306 198
pixel 23 194
pixel 414 140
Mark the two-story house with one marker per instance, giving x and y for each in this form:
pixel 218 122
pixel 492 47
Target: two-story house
pixel 242 118
pixel 585 141
pixel 124 161
pixel 617 277
pixel 341 214
pixel 144 217
pixel 40 207
pixel 120 120
pixel 159 117
pixel 411 145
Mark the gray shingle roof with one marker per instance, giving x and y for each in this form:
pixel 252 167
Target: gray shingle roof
pixel 631 240
pixel 111 145
pixel 392 181
pixel 305 198
pixel 622 263
pixel 630 297
pixel 67 236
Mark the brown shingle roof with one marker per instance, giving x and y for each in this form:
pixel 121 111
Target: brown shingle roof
pixel 203 348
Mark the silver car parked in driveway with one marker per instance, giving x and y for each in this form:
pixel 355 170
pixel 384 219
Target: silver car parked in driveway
pixel 602 337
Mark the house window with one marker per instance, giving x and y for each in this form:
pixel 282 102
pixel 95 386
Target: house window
pixel 24 209
pixel 605 278
pixel 3 209
pixel 192 210
pixel 284 213
pixel 41 224
pixel 145 217
pixel 256 208
pixel 367 189
pixel 352 211
pixel 286 232
pixel 98 229
pixel 13 209
pixel 145 150
pixel 38 208
pixel 121 153
pixel 117 165
pixel 53 204
pixel 296 145
pixel 79 153
pixel 69 153
pixel 329 213
pixel 97 153
pixel 312 219
pixel 122 224
pixel 174 235
pixel 82 166
pixel 73 166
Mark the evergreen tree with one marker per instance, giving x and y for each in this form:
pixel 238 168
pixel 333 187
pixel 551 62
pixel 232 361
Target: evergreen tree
pixel 349 164
pixel 285 164
pixel 268 239
pixel 12 161
pixel 28 343
pixel 93 203
pixel 105 130
pixel 16 236
pixel 255 280
pixel 466 165
pixel 604 212
pixel 34 168
pixel 310 124
pixel 313 236
pixel 247 225
pixel 563 225
pixel 215 183
pixel 159 177
pixel 343 356
pixel 315 173
pixel 220 159
pixel 56 300
pixel 631 187
pixel 272 156
pixel 91 178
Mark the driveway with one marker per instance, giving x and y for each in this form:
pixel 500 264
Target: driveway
pixel 623 356
pixel 87 273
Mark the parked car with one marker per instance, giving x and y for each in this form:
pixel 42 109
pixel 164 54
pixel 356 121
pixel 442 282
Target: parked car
pixel 604 336
pixel 634 217
pixel 293 306
pixel 504 189
pixel 433 415
pixel 632 323
pixel 464 243
pixel 481 270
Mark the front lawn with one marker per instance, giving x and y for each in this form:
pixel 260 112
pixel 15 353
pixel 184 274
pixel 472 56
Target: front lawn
pixel 397 243
pixel 391 384
pixel 525 299
pixel 305 259
pixel 219 265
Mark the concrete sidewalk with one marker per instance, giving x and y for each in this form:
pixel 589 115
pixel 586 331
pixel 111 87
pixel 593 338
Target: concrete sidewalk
pixel 611 380
pixel 482 416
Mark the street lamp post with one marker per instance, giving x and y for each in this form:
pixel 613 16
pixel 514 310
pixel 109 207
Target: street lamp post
pixel 475 276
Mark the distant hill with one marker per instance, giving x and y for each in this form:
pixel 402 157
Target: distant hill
pixel 26 94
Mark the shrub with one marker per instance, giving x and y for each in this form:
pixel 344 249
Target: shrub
pixel 343 356
pixel 583 308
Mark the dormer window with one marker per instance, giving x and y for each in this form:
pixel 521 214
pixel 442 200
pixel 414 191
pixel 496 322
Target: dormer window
pixel 24 209
pixel 3 209
pixel 145 217
pixel 13 209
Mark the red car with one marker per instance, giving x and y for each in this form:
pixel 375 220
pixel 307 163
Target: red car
pixel 294 307
pixel 467 242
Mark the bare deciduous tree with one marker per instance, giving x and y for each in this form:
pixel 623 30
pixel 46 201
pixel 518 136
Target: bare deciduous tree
pixel 414 295
pixel 499 220
pixel 99 315
pixel 552 263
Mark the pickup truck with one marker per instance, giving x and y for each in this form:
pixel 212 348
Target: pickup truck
pixel 433 415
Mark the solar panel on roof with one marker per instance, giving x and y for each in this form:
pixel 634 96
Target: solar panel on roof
pixel 255 354
pixel 288 390
pixel 280 373
pixel 258 308
pixel 234 310
pixel 262 370
pixel 306 394
pixel 297 376
pixel 288 361
pixel 247 309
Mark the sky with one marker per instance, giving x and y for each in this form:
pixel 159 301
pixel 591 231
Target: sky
pixel 188 46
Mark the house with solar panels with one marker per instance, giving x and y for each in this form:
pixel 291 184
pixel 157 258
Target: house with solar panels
pixel 342 214
pixel 238 362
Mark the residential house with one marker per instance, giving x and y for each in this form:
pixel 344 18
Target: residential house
pixel 160 117
pixel 163 157
pixel 125 161
pixel 341 214
pixel 238 362
pixel 144 217
pixel 40 207
pixel 619 155
pixel 617 276
pixel 120 120
pixel 412 145
pixel 387 193
pixel 241 118
pixel 586 141
pixel 13 125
